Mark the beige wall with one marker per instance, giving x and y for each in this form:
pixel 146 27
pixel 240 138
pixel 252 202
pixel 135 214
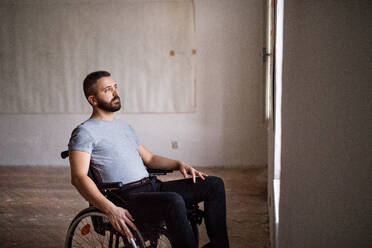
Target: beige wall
pixel 227 127
pixel 326 186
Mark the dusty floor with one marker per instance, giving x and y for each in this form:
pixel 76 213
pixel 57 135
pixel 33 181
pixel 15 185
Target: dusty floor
pixel 37 204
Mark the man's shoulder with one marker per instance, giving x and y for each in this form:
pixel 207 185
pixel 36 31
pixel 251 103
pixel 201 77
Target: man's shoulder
pixel 86 128
pixel 81 129
pixel 96 126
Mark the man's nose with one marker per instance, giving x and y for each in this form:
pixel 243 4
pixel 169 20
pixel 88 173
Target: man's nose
pixel 115 92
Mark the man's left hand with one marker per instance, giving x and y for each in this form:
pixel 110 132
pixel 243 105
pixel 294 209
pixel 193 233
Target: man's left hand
pixel 186 170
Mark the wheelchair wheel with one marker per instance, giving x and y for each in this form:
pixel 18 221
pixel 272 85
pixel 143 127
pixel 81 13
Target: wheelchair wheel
pixel 92 228
pixel 157 238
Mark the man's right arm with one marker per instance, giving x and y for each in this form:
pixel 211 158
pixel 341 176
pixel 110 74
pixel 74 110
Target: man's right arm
pixel 119 217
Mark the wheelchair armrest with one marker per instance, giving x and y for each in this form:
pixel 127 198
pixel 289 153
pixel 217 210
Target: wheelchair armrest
pixel 112 185
pixel 158 172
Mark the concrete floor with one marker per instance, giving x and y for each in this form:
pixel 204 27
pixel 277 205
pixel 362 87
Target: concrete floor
pixel 38 203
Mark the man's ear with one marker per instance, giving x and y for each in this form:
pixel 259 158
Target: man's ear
pixel 92 100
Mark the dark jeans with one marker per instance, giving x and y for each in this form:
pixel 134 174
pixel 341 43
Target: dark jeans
pixel 167 201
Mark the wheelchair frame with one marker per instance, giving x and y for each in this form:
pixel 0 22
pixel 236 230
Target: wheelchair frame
pixel 149 232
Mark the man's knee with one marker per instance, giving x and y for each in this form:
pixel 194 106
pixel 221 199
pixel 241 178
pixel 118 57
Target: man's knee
pixel 216 188
pixel 216 182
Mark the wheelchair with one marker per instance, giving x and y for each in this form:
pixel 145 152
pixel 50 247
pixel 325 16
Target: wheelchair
pixel 92 228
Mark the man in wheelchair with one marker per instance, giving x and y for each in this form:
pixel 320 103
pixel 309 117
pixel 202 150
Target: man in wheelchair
pixel 115 154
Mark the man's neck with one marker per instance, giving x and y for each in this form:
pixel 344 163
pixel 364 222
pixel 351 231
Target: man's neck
pixel 103 115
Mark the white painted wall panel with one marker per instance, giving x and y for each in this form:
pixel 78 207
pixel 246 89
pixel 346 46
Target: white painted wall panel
pixel 227 128
pixel 48 49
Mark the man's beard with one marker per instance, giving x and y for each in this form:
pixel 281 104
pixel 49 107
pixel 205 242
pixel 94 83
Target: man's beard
pixel 109 106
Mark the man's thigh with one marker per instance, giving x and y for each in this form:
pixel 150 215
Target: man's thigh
pixel 193 192
pixel 153 206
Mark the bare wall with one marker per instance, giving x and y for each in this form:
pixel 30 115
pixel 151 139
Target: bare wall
pixel 227 128
pixel 326 186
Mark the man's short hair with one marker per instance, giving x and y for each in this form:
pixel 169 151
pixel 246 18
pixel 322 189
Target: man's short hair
pixel 90 81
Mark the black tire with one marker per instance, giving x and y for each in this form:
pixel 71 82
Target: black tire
pixel 91 228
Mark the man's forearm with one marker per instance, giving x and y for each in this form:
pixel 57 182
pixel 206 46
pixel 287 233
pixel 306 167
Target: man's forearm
pixel 88 189
pixel 159 162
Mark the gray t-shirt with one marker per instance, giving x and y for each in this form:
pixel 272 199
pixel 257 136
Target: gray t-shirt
pixel 113 148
